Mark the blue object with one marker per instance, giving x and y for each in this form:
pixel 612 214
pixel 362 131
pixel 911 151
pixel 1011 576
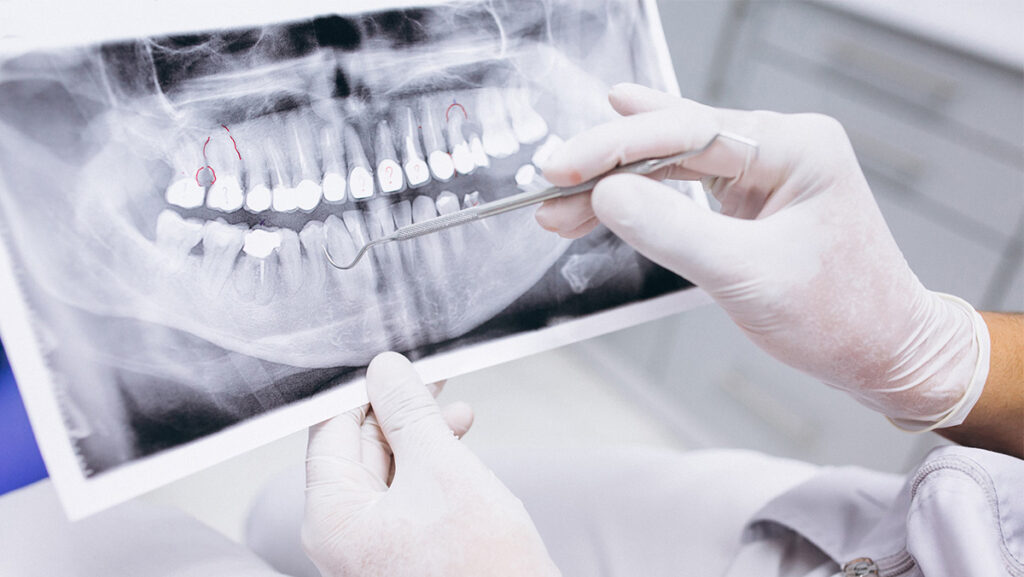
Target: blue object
pixel 20 461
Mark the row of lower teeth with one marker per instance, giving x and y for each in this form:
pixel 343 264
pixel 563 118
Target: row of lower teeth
pixel 223 251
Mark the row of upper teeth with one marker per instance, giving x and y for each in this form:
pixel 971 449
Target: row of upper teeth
pixel 312 164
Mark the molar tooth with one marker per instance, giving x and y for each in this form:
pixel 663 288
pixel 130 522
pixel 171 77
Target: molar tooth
pixel 289 255
pixel 261 243
pixel 225 194
pixel 333 159
pixel 259 199
pixel 527 124
pixel 185 190
pixel 176 237
pixel 221 245
pixel 416 169
pixel 499 140
pixel 256 272
pixel 360 176
pixel 225 191
pixel 314 265
pixel 441 164
pixel 255 278
pixel 389 173
pixel 462 156
pixel 185 193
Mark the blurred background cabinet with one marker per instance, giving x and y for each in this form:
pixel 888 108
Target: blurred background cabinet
pixel 933 101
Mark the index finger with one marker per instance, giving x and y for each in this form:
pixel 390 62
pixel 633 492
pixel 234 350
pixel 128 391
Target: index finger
pixel 650 134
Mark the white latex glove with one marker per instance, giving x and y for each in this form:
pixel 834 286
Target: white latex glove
pixel 444 513
pixel 800 256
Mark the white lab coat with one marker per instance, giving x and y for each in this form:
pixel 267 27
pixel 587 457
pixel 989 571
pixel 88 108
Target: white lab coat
pixel 623 512
pixel 960 514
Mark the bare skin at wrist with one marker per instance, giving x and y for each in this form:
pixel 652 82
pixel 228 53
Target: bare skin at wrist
pixel 997 421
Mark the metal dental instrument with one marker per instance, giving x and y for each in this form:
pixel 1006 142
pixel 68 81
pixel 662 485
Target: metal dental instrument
pixel 524 199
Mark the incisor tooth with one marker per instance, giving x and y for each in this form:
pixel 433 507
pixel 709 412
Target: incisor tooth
pixel 389 173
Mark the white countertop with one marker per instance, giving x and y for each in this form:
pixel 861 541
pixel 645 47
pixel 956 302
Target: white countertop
pixel 992 29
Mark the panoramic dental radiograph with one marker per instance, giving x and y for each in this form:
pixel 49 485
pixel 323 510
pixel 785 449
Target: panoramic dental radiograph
pixel 168 203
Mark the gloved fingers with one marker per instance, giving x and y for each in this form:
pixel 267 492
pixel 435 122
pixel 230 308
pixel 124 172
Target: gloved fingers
pixel 628 99
pixel 407 413
pixel 459 417
pixel 581 230
pixel 670 228
pixel 376 454
pixel 337 440
pixel 562 215
pixel 573 217
pixel 688 126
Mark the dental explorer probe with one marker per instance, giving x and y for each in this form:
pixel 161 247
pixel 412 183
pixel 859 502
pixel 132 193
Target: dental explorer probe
pixel 525 199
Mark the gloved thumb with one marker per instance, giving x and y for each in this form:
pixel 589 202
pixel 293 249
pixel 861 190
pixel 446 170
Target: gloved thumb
pixel 669 228
pixel 407 413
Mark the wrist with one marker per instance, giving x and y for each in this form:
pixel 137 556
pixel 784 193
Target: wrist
pixel 957 356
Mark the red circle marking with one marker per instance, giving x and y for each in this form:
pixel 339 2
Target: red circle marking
pixel 449 111
pixel 212 172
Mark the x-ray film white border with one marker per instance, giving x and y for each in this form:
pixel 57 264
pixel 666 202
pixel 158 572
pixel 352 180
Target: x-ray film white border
pixel 35 381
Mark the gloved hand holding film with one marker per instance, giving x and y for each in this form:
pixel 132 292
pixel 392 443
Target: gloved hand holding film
pixel 800 256
pixel 393 492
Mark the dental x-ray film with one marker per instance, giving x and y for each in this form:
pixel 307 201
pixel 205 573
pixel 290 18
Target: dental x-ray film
pixel 170 177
